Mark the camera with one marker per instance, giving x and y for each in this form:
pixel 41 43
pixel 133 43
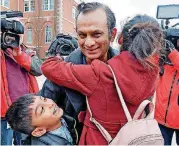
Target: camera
pixel 10 29
pixel 172 34
pixel 63 45
pixel 166 13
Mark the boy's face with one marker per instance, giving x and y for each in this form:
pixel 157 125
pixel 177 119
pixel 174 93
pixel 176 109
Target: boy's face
pixel 45 113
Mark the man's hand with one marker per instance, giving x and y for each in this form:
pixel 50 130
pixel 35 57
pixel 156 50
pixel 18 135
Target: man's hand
pixel 16 51
pixel 60 57
pixel 169 45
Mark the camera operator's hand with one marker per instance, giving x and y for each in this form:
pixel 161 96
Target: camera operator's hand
pixel 16 51
pixel 59 56
pixel 169 45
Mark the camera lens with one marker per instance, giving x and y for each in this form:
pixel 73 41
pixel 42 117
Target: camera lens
pixel 9 40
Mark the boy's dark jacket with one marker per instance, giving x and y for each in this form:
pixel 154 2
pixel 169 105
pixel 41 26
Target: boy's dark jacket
pixel 70 100
pixel 46 139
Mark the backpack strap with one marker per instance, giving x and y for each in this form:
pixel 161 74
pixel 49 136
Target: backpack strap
pixel 124 106
pixel 103 131
pixel 142 107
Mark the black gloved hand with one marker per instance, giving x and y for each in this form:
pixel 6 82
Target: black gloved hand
pixel 168 48
pixel 62 45
pixel 168 45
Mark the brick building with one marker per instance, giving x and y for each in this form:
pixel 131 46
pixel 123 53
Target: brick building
pixel 43 19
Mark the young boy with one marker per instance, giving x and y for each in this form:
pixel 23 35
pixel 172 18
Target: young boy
pixel 41 118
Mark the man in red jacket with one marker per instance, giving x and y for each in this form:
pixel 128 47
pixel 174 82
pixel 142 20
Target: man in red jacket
pixel 167 102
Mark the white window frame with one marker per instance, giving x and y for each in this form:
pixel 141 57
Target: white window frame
pixel 29 35
pixel 74 12
pixel 48 6
pixel 3 2
pixel 48 34
pixel 29 5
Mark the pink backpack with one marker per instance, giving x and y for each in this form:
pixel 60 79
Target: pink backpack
pixel 136 131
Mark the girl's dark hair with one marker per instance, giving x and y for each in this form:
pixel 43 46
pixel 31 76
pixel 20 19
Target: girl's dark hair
pixel 143 37
pixel 19 114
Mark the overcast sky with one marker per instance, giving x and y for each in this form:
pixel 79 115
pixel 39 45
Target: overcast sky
pixel 128 8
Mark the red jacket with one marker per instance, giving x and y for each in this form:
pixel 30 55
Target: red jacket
pixel 96 81
pixel 25 61
pixel 167 103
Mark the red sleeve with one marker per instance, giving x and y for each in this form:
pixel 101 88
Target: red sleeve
pixel 24 60
pixel 83 78
pixel 174 57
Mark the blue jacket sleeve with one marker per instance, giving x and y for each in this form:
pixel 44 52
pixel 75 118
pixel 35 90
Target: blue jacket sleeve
pixel 53 91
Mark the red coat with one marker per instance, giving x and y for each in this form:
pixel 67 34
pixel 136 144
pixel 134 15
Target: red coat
pixel 96 81
pixel 168 94
pixel 25 61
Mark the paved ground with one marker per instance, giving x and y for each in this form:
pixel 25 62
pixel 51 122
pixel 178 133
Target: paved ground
pixel 41 80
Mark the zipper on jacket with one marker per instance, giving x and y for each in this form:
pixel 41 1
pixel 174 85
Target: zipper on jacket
pixel 75 131
pixel 170 95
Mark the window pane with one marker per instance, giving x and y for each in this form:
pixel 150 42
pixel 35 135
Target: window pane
pixel 51 7
pixel 29 35
pixel 48 33
pixel 51 3
pixel 26 6
pixel 32 5
pixel 29 5
pixel 45 7
pixel 5 3
pixel 45 4
pixel 48 4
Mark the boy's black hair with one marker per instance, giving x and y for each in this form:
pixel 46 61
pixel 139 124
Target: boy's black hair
pixel 19 114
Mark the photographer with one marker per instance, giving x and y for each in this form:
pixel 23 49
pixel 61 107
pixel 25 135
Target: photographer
pixel 17 78
pixel 167 101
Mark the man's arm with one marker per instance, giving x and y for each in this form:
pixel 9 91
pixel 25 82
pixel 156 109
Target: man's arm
pixel 30 62
pixel 53 91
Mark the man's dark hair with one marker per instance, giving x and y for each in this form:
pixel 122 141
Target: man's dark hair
pixel 92 6
pixel 19 114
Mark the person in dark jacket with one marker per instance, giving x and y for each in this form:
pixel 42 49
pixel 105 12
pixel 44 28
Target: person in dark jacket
pixel 96 31
pixel 41 118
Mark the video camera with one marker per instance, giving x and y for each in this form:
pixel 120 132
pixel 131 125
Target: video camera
pixel 63 45
pixel 167 12
pixel 10 29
